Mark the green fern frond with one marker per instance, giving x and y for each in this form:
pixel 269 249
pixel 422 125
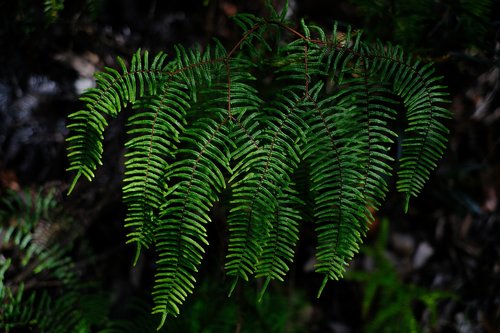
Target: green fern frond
pixel 266 172
pixel 279 248
pixel 202 121
pixel 154 131
pixel 114 90
pixel 335 173
pixel 198 179
pixel 255 196
pixel 423 99
pixel 371 112
pixel 181 234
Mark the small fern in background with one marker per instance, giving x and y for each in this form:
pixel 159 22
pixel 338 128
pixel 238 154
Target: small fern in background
pixel 202 128
pixel 39 287
pixel 213 312
pixel 389 303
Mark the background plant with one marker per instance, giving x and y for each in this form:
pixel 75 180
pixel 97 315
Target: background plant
pixel 390 303
pixel 428 27
pixel 43 290
pixel 40 290
pixel 212 311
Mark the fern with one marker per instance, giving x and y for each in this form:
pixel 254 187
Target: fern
pixel 39 286
pixel 388 302
pixel 201 126
pixel 212 312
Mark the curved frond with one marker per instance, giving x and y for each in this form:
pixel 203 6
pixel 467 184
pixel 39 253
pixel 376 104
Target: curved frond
pixel 279 249
pixel 154 129
pixel 267 172
pixel 180 234
pixel 196 178
pixel 335 172
pixel 424 99
pixel 252 117
pixel 113 91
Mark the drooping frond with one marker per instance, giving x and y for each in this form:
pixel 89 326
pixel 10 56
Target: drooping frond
pixel 158 121
pixel 371 108
pixel 279 249
pixel 181 233
pixel 154 131
pixel 263 180
pixel 335 152
pixel 114 90
pixel 268 171
pixel 423 98
pixel 250 118
pixel 335 174
pixel 197 179
pixel 374 110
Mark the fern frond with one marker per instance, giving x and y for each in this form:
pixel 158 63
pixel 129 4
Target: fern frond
pixel 255 196
pixel 254 28
pixel 279 248
pixel 423 99
pixel 266 173
pixel 181 233
pixel 371 108
pixel 341 146
pixel 114 90
pixel 154 129
pixel 198 179
pixel 335 172
pixel 200 123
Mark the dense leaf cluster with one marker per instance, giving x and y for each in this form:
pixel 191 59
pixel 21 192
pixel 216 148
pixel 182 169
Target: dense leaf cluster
pixel 203 124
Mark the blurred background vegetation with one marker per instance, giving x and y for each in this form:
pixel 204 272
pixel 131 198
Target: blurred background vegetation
pixel 64 265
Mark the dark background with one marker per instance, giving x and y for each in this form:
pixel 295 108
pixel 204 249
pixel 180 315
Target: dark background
pixel 449 240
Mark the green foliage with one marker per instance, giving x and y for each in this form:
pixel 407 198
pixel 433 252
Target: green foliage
pixel 53 8
pixel 202 128
pixel 427 25
pixel 213 312
pixel 389 303
pixel 41 291
pixel 39 287
pixel 28 16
